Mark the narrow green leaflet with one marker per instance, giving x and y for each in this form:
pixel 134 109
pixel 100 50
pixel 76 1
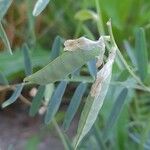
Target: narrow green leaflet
pixel 5 39
pixel 40 6
pixel 4 5
pixel 115 112
pixel 141 53
pixel 3 80
pixel 62 66
pixel 55 101
pixel 48 92
pixel 14 96
pixel 56 47
pixel 95 99
pixel 27 60
pixel 74 104
pixel 37 100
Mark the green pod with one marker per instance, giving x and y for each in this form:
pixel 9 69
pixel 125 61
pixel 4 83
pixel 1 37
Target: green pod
pixel 62 66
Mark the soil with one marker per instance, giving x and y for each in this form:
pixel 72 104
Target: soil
pixel 16 128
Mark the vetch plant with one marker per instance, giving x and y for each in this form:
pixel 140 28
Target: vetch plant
pixel 95 57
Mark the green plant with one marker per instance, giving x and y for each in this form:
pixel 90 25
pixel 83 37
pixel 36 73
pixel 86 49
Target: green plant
pixel 66 68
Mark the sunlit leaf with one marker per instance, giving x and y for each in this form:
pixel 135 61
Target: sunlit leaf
pixel 14 96
pixel 37 100
pixel 40 6
pixel 74 104
pixel 55 101
pixel 62 66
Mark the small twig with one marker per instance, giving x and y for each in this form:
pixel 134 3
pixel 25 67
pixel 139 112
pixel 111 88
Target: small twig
pixel 24 100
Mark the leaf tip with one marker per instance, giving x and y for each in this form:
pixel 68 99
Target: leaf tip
pixel 5 104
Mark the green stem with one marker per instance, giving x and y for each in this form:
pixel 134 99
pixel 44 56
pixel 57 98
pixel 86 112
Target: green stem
pixel 122 58
pixel 100 25
pixel 61 135
pixel 84 79
pixel 101 31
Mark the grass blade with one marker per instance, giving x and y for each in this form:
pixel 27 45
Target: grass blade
pixel 5 39
pixel 116 110
pixel 55 101
pixel 37 100
pixel 14 96
pixel 27 60
pixel 40 6
pixel 4 5
pixel 74 104
pixel 65 64
pixel 141 53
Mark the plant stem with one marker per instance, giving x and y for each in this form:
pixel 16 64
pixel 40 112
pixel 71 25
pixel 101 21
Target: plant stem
pixel 100 25
pixel 61 135
pixel 122 58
